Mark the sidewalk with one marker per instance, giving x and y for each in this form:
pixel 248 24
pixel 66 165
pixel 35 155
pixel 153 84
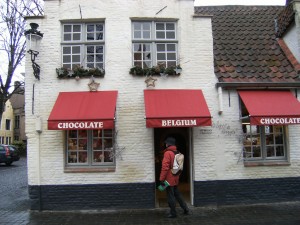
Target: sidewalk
pixel 14 210
pixel 263 214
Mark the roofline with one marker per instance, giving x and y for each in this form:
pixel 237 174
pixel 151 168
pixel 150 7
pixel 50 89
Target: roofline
pixel 258 85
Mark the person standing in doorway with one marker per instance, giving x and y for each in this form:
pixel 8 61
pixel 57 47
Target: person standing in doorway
pixel 173 193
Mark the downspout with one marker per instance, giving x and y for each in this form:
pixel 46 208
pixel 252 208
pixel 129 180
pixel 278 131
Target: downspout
pixel 220 98
pixel 38 128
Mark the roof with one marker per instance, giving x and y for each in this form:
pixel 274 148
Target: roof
pixel 284 20
pixel 245 45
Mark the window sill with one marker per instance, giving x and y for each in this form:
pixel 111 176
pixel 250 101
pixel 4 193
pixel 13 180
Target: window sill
pixel 88 170
pixel 273 163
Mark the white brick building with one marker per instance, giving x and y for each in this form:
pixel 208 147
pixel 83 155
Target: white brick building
pixel 67 171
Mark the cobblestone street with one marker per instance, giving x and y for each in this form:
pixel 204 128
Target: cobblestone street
pixel 14 210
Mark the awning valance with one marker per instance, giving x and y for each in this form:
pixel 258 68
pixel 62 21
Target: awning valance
pixel 271 107
pixel 83 110
pixel 176 108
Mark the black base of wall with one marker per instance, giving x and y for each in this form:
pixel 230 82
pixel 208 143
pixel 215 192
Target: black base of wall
pixel 84 197
pixel 142 195
pixel 234 192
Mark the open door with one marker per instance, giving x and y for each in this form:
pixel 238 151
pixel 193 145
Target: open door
pixel 182 136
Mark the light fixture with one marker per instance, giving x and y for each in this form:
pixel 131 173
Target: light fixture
pixel 33 42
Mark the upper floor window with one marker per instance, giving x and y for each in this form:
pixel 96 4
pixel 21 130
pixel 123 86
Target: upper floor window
pixel 83 45
pixel 154 43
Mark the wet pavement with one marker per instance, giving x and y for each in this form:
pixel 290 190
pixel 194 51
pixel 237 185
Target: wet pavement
pixel 14 210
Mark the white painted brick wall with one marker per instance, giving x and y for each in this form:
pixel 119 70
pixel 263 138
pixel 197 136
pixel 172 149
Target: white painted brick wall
pixel 215 154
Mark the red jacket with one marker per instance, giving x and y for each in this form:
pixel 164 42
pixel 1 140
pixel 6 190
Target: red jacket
pixel 167 165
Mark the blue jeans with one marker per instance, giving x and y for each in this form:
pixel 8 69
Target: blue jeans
pixel 173 194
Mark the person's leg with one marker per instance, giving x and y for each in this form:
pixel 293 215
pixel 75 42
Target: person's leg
pixel 171 201
pixel 180 200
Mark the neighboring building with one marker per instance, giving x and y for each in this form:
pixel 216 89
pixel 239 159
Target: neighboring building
pixel 101 149
pixel 18 105
pixel 6 131
pixel 258 84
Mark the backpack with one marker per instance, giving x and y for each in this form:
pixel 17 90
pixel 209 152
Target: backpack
pixel 178 163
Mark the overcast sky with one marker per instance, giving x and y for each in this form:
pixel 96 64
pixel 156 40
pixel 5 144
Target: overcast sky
pixel 239 2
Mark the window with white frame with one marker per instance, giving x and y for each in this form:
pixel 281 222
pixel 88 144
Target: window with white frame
pixel 83 45
pixel 154 43
pixel 90 148
pixel 263 143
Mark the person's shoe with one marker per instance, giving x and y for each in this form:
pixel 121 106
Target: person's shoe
pixel 187 212
pixel 171 216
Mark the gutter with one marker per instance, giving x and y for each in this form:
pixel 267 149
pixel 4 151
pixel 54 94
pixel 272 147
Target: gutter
pixel 234 85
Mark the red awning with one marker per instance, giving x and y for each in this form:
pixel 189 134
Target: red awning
pixel 271 107
pixel 83 110
pixel 176 108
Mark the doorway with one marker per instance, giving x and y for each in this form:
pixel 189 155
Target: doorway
pixel 182 136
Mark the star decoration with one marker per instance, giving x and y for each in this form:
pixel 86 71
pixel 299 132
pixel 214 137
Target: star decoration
pixel 164 75
pixel 93 85
pixel 150 81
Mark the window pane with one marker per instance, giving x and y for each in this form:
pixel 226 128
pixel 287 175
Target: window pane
pixel 280 151
pixel 75 58
pixel 137 26
pixel 147 56
pixel 77 28
pixel 161 47
pixel 108 156
pixel 108 133
pixel 99 36
pixel 82 157
pixel 270 152
pixel 171 56
pixel 90 58
pixel 66 50
pixel 99 58
pixel 170 35
pixel 76 49
pixel 90 36
pixel 67 28
pixel 160 26
pixel 171 47
pixel 90 49
pixel 66 58
pixel 137 47
pixel 146 34
pixel 67 37
pixel 170 26
pixel 99 49
pixel 161 56
pixel 90 28
pixel 137 34
pixel 76 37
pixel 160 35
pixel 147 64
pixel 99 27
pixel 146 26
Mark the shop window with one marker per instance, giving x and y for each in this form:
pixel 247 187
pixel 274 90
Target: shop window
pixel 90 148
pixel 83 45
pixel 154 43
pixel 263 143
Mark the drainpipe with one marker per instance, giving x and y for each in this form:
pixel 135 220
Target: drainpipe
pixel 220 97
pixel 38 128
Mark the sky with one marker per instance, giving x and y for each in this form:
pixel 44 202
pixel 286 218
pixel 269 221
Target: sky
pixel 238 2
